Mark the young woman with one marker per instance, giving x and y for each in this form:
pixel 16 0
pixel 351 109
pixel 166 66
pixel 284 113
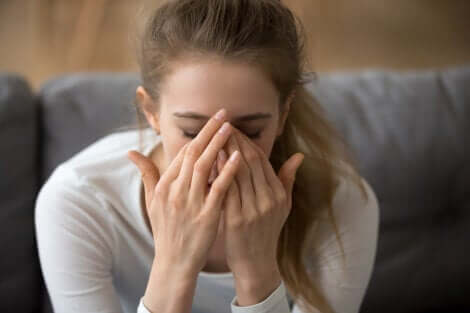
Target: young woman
pixel 243 198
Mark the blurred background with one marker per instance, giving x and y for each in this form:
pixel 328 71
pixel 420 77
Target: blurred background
pixel 43 38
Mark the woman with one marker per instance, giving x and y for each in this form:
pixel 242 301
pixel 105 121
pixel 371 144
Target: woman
pixel 247 201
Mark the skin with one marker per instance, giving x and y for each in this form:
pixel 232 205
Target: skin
pixel 205 88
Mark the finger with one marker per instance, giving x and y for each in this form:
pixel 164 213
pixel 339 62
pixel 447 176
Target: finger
pixel 244 182
pixel 232 205
pixel 221 160
pixel 288 171
pixel 199 186
pixel 232 201
pixel 262 188
pixel 149 172
pixel 171 173
pixel 271 177
pixel 218 165
pixel 276 184
pixel 213 173
pixel 221 184
pixel 196 147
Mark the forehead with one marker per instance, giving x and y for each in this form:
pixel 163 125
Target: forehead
pixel 205 87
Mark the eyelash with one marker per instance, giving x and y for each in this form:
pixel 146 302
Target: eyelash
pixel 252 136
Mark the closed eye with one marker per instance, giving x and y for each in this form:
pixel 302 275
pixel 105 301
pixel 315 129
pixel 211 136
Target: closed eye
pixel 252 136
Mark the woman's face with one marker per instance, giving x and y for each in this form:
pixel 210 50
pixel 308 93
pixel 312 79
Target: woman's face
pixel 194 92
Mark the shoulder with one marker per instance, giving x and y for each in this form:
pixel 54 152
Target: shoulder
pixel 102 168
pixel 71 215
pixel 79 191
pixel 84 193
pixel 68 198
pixel 355 200
pixel 344 278
pixel 354 217
pixel 106 149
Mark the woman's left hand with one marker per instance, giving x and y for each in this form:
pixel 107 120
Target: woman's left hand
pixel 256 207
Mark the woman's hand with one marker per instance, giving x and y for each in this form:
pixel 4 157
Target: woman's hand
pixel 183 216
pixel 257 205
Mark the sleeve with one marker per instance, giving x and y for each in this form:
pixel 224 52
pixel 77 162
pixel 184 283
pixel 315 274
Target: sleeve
pixel 141 308
pixel 75 244
pixel 274 303
pixel 344 284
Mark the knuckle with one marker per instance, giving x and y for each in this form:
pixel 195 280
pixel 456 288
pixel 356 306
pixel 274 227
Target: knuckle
pixel 251 219
pixel 159 191
pixel 193 151
pixel 235 223
pixel 251 156
pixel 217 186
pixel 176 202
pixel 281 197
pixel 200 167
pixel 266 205
pixel 200 219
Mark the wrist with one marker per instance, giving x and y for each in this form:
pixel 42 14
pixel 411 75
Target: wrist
pixel 251 274
pixel 169 289
pixel 256 288
pixel 175 271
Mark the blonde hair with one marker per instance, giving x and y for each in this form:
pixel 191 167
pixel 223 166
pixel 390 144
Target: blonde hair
pixel 264 33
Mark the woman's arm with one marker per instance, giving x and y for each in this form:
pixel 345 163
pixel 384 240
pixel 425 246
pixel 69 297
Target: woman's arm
pixel 75 245
pixel 168 290
pixel 77 248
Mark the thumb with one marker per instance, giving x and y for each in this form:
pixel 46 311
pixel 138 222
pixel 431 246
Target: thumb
pixel 149 172
pixel 288 172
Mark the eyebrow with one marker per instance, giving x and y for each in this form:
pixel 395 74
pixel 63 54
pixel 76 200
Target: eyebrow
pixel 241 118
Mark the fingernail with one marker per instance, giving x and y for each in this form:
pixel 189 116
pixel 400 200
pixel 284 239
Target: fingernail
pixel 234 156
pixel 220 114
pixel 224 128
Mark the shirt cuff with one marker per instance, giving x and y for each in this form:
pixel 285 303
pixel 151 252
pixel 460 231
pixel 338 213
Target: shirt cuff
pixel 275 303
pixel 141 308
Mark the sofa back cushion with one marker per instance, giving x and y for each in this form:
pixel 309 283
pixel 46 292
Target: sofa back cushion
pixel 78 109
pixel 19 266
pixel 410 132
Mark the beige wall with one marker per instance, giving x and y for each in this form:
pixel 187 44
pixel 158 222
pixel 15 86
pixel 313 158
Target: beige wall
pixel 43 38
pixel 399 34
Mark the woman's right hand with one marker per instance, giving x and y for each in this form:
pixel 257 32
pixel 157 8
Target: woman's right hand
pixel 183 216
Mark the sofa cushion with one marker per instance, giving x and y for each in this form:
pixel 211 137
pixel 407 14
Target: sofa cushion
pixel 19 266
pixel 78 109
pixel 410 133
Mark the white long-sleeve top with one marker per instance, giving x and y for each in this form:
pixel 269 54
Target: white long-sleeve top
pixel 96 249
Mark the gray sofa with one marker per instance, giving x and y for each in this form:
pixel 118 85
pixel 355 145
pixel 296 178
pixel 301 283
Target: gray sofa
pixel 409 130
